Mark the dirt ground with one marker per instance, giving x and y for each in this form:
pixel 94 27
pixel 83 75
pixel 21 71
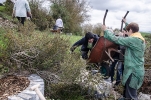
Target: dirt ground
pixel 11 85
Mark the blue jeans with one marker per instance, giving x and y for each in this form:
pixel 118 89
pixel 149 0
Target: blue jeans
pixel 119 72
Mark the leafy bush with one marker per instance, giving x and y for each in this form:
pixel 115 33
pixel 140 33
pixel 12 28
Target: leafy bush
pixel 47 55
pixel 9 7
pixel 67 92
pixel 40 17
pixel 147 51
pixel 4 44
pixel 34 50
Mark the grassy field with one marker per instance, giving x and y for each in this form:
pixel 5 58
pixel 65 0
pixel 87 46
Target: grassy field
pixel 73 38
pixel 2 8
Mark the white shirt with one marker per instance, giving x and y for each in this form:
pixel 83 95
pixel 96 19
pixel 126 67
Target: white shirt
pixel 59 22
pixel 21 7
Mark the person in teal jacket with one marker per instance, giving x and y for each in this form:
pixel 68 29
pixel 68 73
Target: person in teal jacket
pixel 133 74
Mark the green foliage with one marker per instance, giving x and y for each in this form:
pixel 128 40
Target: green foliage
pixel 72 38
pixel 148 50
pixel 147 37
pixel 145 34
pixel 49 53
pixel 37 50
pixel 9 7
pixel 5 16
pixel 3 44
pixel 56 47
pixel 59 10
pixel 73 14
pixel 77 30
pixel 67 92
pixel 40 17
pixel 2 8
pixel 70 67
pixel 97 28
pixel 3 69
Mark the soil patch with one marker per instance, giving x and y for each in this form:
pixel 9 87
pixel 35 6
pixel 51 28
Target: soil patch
pixel 11 85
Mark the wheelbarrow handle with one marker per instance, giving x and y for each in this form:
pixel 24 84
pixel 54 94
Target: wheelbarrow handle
pixel 122 20
pixel 105 16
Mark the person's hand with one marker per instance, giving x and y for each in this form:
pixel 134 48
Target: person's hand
pixel 103 28
pixel 72 49
pixel 29 14
pixel 124 20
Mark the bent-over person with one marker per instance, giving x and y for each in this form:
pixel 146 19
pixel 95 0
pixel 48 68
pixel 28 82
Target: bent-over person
pixel 86 43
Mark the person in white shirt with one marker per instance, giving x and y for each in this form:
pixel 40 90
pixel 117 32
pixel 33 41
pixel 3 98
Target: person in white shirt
pixel 59 24
pixel 21 10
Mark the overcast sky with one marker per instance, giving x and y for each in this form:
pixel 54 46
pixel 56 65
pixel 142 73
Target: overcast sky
pixel 139 12
pixel 1 1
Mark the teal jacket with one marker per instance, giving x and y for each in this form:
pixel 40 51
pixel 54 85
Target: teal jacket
pixel 133 58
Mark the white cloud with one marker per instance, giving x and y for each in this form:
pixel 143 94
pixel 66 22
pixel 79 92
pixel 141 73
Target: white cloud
pixel 140 12
pixel 2 1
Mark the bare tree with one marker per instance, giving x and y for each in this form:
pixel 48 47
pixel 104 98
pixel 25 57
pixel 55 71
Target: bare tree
pixel 97 28
pixel 87 28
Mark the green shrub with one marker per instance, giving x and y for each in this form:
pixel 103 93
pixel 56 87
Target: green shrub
pixel 67 92
pixel 9 7
pixel 4 44
pixel 40 17
pixel 147 51
pixel 49 57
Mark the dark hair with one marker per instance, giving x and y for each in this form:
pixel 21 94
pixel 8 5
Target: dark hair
pixel 133 26
pixel 89 35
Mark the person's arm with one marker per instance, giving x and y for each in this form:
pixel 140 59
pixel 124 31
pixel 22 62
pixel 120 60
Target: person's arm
pixel 28 9
pixel 125 41
pixel 126 24
pixel 76 44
